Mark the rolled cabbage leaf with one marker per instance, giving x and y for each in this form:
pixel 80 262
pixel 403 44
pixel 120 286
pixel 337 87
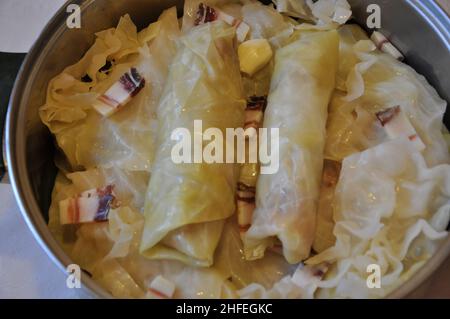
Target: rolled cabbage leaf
pixel 264 22
pixel 286 202
pixel 188 203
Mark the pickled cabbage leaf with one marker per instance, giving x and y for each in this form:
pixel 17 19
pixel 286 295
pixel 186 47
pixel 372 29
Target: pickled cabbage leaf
pixel 391 210
pixel 231 262
pixel 109 251
pixel 286 202
pixel 370 81
pixel 266 23
pixel 129 188
pixel 126 138
pixel 187 203
pixel 321 12
pixel 113 277
pixel 302 284
pixel 191 8
pixel 294 8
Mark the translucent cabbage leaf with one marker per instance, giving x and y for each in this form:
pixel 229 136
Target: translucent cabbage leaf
pixel 188 203
pixel 80 240
pixel 391 210
pixel 302 284
pixel 321 12
pixel 266 23
pixel 126 138
pixel 286 202
pixel 231 262
pixel 370 81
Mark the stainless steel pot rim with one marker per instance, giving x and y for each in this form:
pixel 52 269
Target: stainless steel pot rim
pixel 430 10
pixel 17 170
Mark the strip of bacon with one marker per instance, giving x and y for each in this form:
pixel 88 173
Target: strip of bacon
pixel 397 124
pixel 242 30
pixel 205 14
pixel 257 102
pixel 245 205
pixel 156 294
pixel 245 191
pixel 120 93
pixel 254 113
pixel 277 247
pixel 91 206
pixel 331 173
pixel 383 44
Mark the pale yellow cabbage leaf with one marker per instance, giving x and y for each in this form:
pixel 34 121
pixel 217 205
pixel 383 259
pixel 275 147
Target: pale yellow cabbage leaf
pixel 187 203
pixel 286 202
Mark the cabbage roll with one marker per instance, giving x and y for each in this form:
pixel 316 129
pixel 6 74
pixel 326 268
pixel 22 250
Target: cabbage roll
pixel 187 204
pixel 126 138
pixel 110 250
pixel 286 202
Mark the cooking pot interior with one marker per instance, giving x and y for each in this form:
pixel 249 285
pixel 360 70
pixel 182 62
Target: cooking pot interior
pixel 410 30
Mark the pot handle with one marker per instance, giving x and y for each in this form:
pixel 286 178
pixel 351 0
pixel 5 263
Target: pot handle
pixel 9 67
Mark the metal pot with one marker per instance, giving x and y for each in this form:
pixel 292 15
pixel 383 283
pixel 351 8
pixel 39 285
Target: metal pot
pixel 419 28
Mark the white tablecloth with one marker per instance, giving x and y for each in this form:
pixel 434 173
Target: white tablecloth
pixel 25 269
pixel 21 21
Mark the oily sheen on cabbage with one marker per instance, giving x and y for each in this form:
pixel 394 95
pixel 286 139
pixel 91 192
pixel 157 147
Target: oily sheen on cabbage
pixel 286 201
pixel 188 203
pixel 374 199
pixel 125 139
